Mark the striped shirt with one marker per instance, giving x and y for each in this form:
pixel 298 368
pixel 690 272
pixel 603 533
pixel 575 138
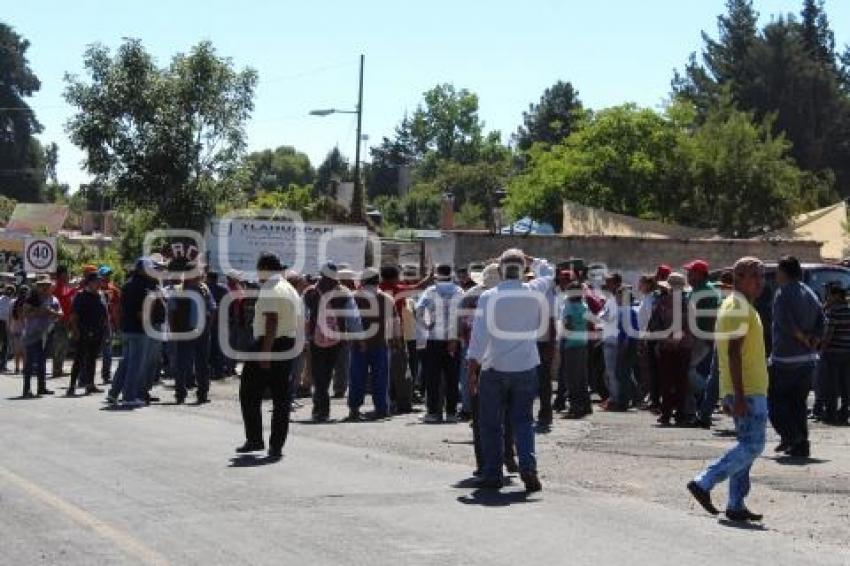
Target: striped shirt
pixel 838 329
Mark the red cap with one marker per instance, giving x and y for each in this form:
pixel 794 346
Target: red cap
pixel 663 271
pixel 698 266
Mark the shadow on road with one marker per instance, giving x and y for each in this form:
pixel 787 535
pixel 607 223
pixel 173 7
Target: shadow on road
pixel 494 498
pixel 251 461
pixel 743 526
pixel 794 461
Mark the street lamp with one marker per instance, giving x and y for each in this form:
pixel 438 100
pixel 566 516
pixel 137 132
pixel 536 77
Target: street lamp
pixel 357 212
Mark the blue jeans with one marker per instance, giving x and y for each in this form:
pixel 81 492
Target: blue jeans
pixel 375 358
pixel 513 392
pixel 736 463
pixel 130 370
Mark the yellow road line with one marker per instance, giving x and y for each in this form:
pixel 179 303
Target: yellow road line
pixel 132 546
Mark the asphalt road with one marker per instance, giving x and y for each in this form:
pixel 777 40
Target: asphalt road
pixel 82 485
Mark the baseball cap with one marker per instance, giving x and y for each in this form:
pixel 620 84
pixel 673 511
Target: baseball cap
pixel 663 271
pixel 104 271
pixel 697 265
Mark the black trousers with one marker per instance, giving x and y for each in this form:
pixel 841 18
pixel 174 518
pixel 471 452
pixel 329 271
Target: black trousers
pixel 544 376
pixel 323 362
pixel 255 381
pixel 441 378
pixel 413 365
pixel 85 359
pixel 836 377
pixel 787 397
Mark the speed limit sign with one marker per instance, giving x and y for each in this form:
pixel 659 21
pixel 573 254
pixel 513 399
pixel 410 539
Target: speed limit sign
pixel 40 255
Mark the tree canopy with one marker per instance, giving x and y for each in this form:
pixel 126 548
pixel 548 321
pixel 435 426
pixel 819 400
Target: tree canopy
pixel 279 168
pixel 22 160
pixel 166 139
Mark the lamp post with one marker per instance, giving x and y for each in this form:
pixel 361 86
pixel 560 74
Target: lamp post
pixel 357 206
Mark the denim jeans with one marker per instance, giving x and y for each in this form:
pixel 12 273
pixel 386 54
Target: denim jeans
pixel 735 465
pixel 193 358
pixel 128 376
pixel 790 385
pixel 697 379
pixel 375 358
pixel 513 392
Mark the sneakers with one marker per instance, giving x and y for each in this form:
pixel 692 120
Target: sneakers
pixel 743 515
pixel 702 497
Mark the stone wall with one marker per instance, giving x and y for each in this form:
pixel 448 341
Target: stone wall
pixel 628 255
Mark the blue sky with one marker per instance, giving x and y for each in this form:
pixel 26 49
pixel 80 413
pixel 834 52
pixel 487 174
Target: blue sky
pixel 306 54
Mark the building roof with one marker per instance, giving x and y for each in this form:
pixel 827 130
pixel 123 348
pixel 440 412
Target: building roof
pixel 580 220
pixel 827 225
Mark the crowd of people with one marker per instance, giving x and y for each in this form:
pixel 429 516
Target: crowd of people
pixel 482 349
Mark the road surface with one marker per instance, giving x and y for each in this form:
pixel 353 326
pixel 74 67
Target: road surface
pixel 83 485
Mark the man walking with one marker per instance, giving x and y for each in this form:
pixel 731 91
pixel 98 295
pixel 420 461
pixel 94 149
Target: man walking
pixel 798 326
pixel 503 347
pixel 278 317
pixel 743 387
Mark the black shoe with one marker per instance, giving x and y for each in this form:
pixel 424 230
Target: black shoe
pixel 179 399
pixel 743 515
pixel 45 392
pixel 800 450
pixel 202 400
pixel 511 465
pixel 354 416
pixel 70 393
pixel 377 416
pixel 250 447
pixel 27 395
pixel 703 498
pixel 93 389
pixel 275 454
pixel 782 447
pixel 531 481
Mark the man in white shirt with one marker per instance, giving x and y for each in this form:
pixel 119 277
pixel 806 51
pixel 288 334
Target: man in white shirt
pixel 438 309
pixel 503 347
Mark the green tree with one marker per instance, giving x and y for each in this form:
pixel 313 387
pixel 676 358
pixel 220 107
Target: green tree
pixel 280 167
pixel 388 159
pixel 743 180
pixel 334 168
pixel 166 139
pixel 21 155
pixel 447 124
pixel 817 35
pixel 552 119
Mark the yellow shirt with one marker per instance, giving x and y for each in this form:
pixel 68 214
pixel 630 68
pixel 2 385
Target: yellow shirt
pixel 279 297
pixel 738 318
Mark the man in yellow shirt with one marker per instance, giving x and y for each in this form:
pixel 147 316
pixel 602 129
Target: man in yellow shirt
pixel 743 388
pixel 278 318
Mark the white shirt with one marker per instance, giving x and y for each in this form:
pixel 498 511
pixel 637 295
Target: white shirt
pixel 438 308
pixel 507 324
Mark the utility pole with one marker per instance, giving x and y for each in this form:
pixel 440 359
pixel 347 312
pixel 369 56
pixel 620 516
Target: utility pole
pixel 358 214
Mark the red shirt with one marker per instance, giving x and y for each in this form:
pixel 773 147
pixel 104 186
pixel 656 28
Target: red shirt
pixel 65 293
